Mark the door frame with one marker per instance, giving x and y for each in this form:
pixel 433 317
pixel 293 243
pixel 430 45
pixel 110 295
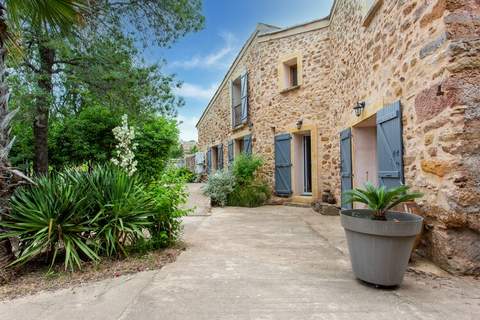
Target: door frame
pixel 314 150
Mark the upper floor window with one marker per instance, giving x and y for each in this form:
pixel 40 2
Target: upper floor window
pixel 290 72
pixel 239 100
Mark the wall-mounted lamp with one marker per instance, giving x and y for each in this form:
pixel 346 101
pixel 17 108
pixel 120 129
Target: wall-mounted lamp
pixel 250 125
pixel 359 108
pixel 299 124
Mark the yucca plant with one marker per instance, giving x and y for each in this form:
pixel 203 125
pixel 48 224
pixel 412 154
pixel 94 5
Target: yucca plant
pixel 380 199
pixel 123 209
pixel 51 216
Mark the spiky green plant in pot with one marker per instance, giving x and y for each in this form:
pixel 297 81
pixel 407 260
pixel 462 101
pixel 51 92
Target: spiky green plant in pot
pixel 380 199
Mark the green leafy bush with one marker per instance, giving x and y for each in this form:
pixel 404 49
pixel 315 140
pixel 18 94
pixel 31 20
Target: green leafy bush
pixel 253 194
pixel 380 199
pixel 184 174
pixel 168 195
pixel 240 186
pixel 245 167
pixel 50 216
pixel 219 185
pixel 250 190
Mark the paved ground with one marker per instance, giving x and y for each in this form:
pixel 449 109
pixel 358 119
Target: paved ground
pixel 273 262
pixel 199 203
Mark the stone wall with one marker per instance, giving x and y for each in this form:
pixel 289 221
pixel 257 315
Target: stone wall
pixel 424 53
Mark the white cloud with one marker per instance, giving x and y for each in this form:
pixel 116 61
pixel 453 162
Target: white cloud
pixel 187 127
pixel 216 59
pixel 190 90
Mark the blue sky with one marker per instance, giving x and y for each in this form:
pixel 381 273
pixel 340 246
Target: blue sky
pixel 200 60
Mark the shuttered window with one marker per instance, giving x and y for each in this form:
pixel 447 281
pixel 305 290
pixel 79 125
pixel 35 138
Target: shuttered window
pixel 244 96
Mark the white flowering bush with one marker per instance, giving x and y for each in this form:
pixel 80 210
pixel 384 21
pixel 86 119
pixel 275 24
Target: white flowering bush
pixel 124 150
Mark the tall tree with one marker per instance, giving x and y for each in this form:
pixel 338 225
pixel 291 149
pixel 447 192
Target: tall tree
pixel 56 15
pixel 150 21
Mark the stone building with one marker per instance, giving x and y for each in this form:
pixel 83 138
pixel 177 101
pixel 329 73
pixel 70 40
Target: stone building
pixel 386 91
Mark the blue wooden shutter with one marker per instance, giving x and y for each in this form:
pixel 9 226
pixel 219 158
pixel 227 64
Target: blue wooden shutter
pixel 244 96
pixel 230 152
pixel 283 165
pixel 247 144
pixel 390 146
pixel 346 164
pixel 220 156
pixel 209 160
pixel 232 107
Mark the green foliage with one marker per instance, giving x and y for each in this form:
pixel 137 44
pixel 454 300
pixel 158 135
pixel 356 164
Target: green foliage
pixel 49 215
pixel 380 199
pixel 239 186
pixel 219 186
pixel 250 190
pixel 85 215
pixel 193 150
pixel 245 166
pixel 168 195
pixel 184 174
pixel 121 207
pixel 157 139
pixel 252 194
pixel 85 138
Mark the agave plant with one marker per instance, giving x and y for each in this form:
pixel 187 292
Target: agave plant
pixel 49 217
pixel 380 199
pixel 122 207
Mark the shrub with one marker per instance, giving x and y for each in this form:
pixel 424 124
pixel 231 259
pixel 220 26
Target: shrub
pixel 122 208
pixel 168 195
pixel 245 167
pixel 86 215
pixel 250 190
pixel 219 186
pixel 253 194
pixel 183 174
pixel 50 216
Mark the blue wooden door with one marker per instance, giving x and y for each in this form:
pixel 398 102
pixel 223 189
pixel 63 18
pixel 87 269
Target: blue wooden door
pixel 283 165
pixel 220 156
pixel 209 160
pixel 230 152
pixel 346 164
pixel 390 146
pixel 247 144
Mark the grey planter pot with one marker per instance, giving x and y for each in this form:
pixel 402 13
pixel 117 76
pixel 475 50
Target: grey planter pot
pixel 380 250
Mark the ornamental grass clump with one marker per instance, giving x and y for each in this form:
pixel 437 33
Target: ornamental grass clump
pixel 380 199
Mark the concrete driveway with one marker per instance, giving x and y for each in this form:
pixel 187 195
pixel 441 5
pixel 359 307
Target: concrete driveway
pixel 273 262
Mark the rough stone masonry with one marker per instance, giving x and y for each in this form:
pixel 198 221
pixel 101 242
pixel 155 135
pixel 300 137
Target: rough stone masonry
pixel 423 53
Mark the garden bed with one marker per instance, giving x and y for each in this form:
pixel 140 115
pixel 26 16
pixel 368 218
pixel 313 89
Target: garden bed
pixel 35 277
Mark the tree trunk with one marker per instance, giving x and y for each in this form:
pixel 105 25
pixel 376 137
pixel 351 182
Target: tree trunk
pixel 6 176
pixel 40 125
